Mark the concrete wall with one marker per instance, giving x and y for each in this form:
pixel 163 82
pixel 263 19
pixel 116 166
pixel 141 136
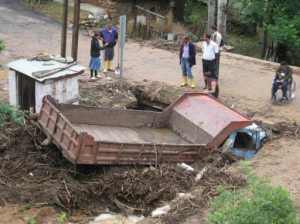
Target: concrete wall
pixel 12 88
pixel 63 90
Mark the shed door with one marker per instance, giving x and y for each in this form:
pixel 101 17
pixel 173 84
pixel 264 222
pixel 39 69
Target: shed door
pixel 26 92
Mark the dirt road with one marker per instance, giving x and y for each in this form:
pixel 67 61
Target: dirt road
pixel 245 84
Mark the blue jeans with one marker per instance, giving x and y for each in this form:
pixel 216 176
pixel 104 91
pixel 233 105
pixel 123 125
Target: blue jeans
pixel 284 87
pixel 186 68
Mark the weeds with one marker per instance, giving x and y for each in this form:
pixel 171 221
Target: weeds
pixel 62 218
pixel 2 46
pixel 31 221
pixel 10 114
pixel 258 203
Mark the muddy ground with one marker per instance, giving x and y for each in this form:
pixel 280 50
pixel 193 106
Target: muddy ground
pixel 34 175
pixel 245 85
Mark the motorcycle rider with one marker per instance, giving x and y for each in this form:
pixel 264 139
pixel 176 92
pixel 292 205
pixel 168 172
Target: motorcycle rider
pixel 283 79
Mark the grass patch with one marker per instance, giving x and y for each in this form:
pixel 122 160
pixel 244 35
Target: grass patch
pixel 249 46
pixel 54 10
pixel 258 203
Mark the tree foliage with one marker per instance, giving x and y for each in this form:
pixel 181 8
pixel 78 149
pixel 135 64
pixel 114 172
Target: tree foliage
pixel 281 19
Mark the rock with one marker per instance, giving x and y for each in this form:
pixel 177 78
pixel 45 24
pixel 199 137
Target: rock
pixel 116 219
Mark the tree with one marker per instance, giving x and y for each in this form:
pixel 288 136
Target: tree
pixel 179 9
pixel 280 22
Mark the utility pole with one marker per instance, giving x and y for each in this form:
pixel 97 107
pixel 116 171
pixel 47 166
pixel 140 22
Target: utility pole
pixel 64 29
pixel 170 18
pixel 211 15
pixel 222 16
pixel 75 35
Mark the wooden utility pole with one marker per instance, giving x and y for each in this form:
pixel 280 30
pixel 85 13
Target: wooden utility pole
pixel 64 29
pixel 75 35
pixel 222 16
pixel 170 18
pixel 211 21
pixel 179 9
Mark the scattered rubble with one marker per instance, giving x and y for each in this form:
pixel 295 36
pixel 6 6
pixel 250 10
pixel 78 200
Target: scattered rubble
pixel 35 174
pixel 107 92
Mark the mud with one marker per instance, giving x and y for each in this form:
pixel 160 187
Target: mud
pixel 34 174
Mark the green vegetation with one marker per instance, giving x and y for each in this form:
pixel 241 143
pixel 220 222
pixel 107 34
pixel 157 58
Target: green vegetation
pixel 2 46
pixel 267 29
pixel 196 16
pixel 10 114
pixel 258 203
pixel 245 45
pixel 32 221
pixel 280 22
pixel 62 218
pixel 53 10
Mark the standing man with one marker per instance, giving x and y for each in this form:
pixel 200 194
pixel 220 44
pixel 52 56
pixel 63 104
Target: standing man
pixel 218 39
pixel 187 58
pixel 209 49
pixel 109 36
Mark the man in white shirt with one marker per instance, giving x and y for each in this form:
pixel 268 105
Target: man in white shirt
pixel 209 49
pixel 216 36
pixel 218 39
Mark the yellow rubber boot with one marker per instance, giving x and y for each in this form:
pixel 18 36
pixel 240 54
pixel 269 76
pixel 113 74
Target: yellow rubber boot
pixel 105 66
pixel 109 66
pixel 192 83
pixel 184 81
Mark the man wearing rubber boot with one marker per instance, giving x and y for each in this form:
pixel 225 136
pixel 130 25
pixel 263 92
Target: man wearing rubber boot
pixel 209 49
pixel 187 57
pixel 109 36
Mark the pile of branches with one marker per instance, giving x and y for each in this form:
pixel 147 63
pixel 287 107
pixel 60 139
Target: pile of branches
pixel 39 175
pixel 285 129
pixel 30 173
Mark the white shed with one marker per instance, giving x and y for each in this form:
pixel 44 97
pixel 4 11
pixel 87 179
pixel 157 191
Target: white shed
pixel 31 80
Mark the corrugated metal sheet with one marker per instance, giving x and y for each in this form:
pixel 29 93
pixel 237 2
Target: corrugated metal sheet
pixel 30 68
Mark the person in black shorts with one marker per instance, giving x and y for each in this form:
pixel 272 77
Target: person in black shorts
pixel 209 49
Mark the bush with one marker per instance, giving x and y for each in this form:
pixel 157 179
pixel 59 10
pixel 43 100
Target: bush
pixel 10 114
pixel 258 203
pixel 2 46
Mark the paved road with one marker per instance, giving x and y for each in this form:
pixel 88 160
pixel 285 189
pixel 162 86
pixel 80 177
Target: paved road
pixel 244 83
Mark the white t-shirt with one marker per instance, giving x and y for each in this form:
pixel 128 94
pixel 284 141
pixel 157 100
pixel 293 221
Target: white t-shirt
pixel 217 37
pixel 186 51
pixel 210 50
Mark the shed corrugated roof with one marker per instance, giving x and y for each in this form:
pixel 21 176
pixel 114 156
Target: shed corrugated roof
pixel 45 70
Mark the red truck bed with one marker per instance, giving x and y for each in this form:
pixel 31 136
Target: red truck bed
pixel 181 133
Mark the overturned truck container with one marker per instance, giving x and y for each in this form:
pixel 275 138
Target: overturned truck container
pixel 184 132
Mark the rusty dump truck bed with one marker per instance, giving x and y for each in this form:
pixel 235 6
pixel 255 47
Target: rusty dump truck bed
pixel 183 132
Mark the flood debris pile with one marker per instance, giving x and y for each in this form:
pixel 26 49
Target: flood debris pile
pixel 35 174
pixel 112 92
pixel 284 129
pixel 107 92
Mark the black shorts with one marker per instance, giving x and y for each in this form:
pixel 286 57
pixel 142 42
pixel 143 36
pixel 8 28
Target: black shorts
pixel 209 69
